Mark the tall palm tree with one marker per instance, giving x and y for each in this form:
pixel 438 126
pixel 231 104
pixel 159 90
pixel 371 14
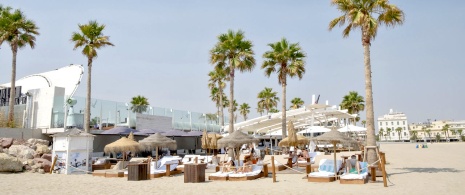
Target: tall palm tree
pixel 18 32
pixel 353 102
pixel 459 131
pixel 217 80
pixel 139 104
pixel 296 103
pixel 367 15
pixel 381 132
pixel 364 122
pixel 244 110
pixel 445 129
pixel 287 60
pixel 274 110
pixel 233 51
pixel 388 131
pixel 267 99
pixel 234 107
pixel 399 132
pixel 260 109
pixel 428 131
pixel 91 38
pixel 211 117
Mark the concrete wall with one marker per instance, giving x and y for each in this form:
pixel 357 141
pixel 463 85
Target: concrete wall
pixel 25 134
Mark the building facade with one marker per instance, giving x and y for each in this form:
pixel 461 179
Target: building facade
pixel 393 127
pixel 438 131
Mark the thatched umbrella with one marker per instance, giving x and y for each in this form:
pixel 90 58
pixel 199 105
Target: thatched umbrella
pixel 301 140
pixel 156 141
pixel 122 145
pixel 214 140
pixel 204 140
pixel 236 140
pixel 334 137
pixel 292 138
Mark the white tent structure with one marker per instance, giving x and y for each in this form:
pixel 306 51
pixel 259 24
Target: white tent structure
pixel 314 129
pixel 302 117
pixel 352 128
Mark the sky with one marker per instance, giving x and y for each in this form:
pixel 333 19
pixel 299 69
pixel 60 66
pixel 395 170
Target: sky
pixel 162 52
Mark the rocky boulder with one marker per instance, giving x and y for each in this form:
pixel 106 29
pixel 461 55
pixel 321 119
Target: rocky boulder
pixel 33 141
pixel 6 142
pixel 42 149
pixel 10 164
pixel 43 163
pixel 22 152
pixel 47 156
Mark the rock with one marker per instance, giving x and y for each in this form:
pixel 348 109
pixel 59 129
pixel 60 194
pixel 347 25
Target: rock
pixel 33 141
pixel 30 162
pixel 27 167
pixel 47 156
pixel 42 149
pixel 41 171
pixel 19 142
pixel 43 163
pixel 6 142
pixel 22 152
pixel 10 164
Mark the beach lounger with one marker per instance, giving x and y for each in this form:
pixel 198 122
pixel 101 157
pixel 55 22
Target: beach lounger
pixel 325 171
pixel 167 168
pixel 355 178
pixel 116 171
pixel 257 172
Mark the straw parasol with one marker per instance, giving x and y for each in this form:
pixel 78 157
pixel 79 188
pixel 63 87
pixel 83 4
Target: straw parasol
pixel 301 140
pixel 204 140
pixel 122 145
pixel 334 137
pixel 156 141
pixel 292 138
pixel 236 140
pixel 214 140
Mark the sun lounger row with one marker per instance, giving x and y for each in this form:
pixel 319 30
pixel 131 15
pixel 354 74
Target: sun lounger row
pixel 257 172
pixel 326 173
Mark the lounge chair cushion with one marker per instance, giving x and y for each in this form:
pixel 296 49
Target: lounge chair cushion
pixel 221 174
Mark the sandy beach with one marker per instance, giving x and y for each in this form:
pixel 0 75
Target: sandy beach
pixel 439 169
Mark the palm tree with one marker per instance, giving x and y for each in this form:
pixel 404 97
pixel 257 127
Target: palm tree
pixel 296 103
pixel 260 109
pixel 388 131
pixel 210 117
pixel 367 15
pixel 234 107
pixel 244 110
pixel 91 38
pixel 286 59
pixel 414 135
pixel 364 122
pixel 353 103
pixel 19 32
pixel 381 132
pixel 399 132
pixel 445 129
pixel 139 104
pixel 274 110
pixel 233 52
pixel 459 131
pixel 267 99
pixel 428 131
pixel 217 80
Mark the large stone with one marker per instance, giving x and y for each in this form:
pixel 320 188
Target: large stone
pixel 33 141
pixel 47 156
pixel 6 142
pixel 43 163
pixel 42 149
pixel 22 152
pixel 10 164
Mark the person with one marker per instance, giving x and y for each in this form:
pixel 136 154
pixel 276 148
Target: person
pixel 247 166
pixel 227 165
pixel 352 165
pixel 303 155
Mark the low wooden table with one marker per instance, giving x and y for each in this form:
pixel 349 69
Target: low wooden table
pixel 137 172
pixel 194 173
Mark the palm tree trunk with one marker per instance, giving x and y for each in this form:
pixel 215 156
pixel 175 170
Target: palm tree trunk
pixel 283 109
pixel 231 99
pixel 11 104
pixel 89 79
pixel 221 105
pixel 371 140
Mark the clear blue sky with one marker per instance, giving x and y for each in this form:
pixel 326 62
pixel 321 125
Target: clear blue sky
pixel 162 52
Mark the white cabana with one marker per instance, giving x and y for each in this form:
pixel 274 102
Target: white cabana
pixel 351 128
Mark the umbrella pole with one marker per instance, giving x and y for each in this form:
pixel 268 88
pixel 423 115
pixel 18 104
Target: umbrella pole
pixel 156 157
pixel 335 171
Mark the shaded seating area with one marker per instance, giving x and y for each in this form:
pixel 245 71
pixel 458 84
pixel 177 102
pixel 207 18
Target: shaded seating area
pixel 326 171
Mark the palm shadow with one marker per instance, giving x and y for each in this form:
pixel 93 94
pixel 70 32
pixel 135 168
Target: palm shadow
pixel 426 170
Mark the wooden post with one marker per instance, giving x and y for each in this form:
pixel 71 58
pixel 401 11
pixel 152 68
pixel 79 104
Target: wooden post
pixel 273 171
pixel 383 167
pixel 53 163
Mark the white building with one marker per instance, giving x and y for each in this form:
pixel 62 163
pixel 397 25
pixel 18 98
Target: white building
pixel 393 126
pixel 434 131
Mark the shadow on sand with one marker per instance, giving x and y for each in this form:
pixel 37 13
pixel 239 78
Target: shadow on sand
pixel 426 170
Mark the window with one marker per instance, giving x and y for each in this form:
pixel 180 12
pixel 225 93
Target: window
pixel 404 128
pixel 405 133
pixel 393 134
pixel 397 122
pixel 392 123
pixel 403 122
pixel 386 123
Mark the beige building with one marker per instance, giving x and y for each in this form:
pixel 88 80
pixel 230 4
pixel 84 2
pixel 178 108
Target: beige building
pixel 434 130
pixel 393 127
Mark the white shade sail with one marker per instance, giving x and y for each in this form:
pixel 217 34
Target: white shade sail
pixel 352 128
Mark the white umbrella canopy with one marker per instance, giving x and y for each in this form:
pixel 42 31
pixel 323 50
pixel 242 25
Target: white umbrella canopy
pixel 314 129
pixel 351 128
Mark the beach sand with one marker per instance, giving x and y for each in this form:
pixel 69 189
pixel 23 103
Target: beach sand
pixel 439 169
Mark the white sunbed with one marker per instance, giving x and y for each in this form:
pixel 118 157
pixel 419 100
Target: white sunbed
pixel 355 178
pixel 325 171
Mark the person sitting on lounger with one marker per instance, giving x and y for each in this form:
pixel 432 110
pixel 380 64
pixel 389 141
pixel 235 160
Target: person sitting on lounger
pixel 247 166
pixel 228 166
pixel 352 165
